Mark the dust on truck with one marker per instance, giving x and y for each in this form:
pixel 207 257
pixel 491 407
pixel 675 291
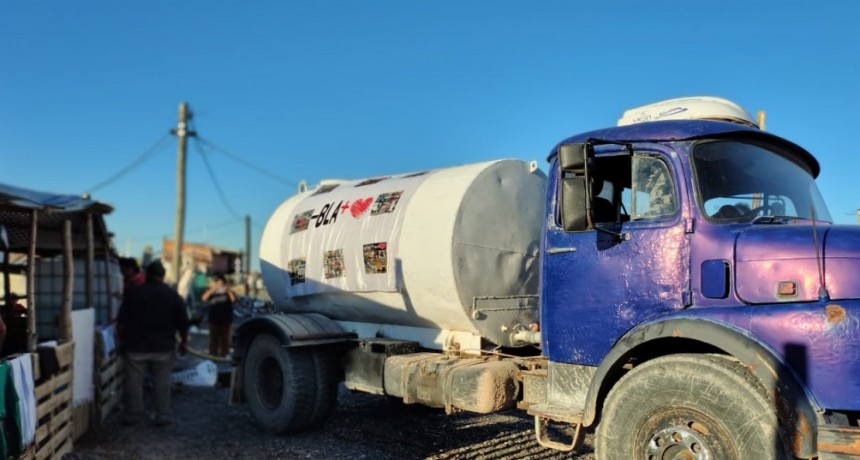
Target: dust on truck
pixel 675 281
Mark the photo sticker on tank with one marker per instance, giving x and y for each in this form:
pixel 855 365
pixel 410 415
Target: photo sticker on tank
pixel 325 189
pixel 370 181
pixel 301 221
pixel 375 258
pixel 296 269
pixel 333 264
pixel 385 203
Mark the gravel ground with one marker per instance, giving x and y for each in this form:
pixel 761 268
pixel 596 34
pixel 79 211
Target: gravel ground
pixel 362 427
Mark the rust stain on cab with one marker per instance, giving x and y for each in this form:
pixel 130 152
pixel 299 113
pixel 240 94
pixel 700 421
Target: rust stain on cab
pixel 803 432
pixel 844 440
pixel 834 313
pixel 845 449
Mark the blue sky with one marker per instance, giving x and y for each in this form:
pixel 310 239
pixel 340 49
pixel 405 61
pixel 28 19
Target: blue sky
pixel 349 89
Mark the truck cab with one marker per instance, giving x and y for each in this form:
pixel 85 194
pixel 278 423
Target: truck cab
pixel 698 238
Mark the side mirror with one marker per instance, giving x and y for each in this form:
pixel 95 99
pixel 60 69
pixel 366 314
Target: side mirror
pixel 574 157
pixel 574 198
pixel 573 160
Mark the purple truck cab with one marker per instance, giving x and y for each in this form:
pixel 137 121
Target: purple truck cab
pixel 703 238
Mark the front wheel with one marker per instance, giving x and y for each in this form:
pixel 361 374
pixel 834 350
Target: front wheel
pixel 688 407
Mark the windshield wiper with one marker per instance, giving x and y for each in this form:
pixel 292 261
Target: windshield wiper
pixel 777 219
pixel 770 220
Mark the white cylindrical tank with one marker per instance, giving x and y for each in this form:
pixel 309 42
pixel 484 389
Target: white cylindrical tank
pixel 413 249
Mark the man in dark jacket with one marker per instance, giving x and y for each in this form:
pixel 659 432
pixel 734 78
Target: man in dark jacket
pixel 147 323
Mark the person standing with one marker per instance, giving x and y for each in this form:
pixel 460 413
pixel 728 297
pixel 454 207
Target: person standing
pixel 148 321
pixel 132 275
pixel 220 298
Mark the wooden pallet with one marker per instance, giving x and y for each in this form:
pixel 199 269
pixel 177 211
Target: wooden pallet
pixel 110 384
pixel 108 381
pixel 54 413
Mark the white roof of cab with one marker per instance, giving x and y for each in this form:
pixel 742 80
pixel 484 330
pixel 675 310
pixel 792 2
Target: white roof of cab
pixel 689 108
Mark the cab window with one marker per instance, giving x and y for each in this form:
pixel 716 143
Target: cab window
pixel 627 187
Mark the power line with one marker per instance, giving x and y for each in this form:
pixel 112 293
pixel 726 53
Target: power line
pixel 215 234
pixel 215 180
pixel 158 145
pixel 221 225
pixel 218 226
pixel 206 228
pixel 245 162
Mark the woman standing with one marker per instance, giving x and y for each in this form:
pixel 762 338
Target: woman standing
pixel 220 298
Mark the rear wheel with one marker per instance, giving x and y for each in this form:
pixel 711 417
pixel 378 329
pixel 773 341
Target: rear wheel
pixel 279 385
pixel 688 407
pixel 327 376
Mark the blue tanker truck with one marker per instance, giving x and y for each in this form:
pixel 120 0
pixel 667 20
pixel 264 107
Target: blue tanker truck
pixel 675 281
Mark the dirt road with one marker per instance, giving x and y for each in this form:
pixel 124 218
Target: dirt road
pixel 362 427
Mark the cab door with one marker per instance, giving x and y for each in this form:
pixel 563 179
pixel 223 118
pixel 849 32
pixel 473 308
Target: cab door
pixel 600 282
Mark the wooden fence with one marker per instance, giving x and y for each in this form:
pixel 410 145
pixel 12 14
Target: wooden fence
pixel 58 424
pixel 54 421
pixel 108 381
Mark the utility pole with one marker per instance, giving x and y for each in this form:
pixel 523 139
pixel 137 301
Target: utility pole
pixel 247 252
pixel 247 244
pixel 181 133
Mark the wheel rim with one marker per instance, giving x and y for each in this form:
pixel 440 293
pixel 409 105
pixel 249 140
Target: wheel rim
pixel 677 443
pixel 684 434
pixel 270 383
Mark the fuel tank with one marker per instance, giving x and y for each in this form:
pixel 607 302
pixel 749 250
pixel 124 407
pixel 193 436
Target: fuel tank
pixel 412 249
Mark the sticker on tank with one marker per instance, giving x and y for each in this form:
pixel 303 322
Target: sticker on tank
pixel 346 236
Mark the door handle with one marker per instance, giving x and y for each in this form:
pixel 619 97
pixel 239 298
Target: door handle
pixel 552 251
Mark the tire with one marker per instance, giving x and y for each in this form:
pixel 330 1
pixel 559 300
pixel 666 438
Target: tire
pixel 280 385
pixel 688 406
pixel 327 376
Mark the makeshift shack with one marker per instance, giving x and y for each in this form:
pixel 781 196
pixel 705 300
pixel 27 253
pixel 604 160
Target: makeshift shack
pixel 57 250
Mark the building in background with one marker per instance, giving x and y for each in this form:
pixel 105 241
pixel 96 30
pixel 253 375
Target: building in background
pixel 210 260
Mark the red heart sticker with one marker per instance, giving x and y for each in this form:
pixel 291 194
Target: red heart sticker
pixel 360 205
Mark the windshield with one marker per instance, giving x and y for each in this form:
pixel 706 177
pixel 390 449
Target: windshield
pixel 739 181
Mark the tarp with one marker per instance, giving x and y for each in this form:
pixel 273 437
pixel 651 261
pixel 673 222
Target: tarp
pixel 33 199
pixel 17 205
